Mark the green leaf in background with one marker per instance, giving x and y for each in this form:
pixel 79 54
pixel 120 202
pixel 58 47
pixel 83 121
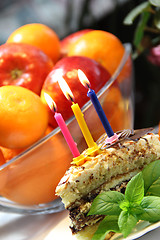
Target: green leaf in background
pixel 139 33
pixel 157 19
pixel 150 174
pixel 109 223
pixel 135 12
pixel 151 207
pixel 135 189
pixel 155 2
pixel 154 189
pixel 107 203
pixel 126 223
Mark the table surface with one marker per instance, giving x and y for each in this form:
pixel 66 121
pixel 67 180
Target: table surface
pixel 44 227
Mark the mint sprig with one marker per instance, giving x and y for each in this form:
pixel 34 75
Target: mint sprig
pixel 151 207
pixel 109 223
pixel 124 211
pixel 151 173
pixel 126 222
pixel 154 189
pixel 107 203
pixel 135 189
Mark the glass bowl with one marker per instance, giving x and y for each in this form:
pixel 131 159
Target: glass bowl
pixel 28 181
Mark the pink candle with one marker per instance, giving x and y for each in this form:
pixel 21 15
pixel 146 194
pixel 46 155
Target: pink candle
pixel 61 123
pixel 72 145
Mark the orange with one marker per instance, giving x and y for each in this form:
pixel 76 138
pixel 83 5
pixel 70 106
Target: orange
pixel 38 35
pixel 24 117
pixel 9 153
pixel 101 46
pixel 2 159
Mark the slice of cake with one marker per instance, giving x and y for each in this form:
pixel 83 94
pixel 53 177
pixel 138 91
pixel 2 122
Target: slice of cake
pixel 108 168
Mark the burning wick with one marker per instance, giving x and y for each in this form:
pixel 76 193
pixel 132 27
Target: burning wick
pixel 78 114
pixel 61 123
pixel 112 137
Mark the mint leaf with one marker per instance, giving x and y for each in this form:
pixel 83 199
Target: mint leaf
pixel 124 205
pixel 134 13
pixel 108 224
pixel 154 189
pixel 150 174
pixel 107 203
pixel 126 222
pixel 151 207
pixel 131 207
pixel 135 189
pixel 136 209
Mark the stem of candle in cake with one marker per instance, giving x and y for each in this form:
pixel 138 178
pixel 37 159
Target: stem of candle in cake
pixel 78 114
pixel 61 123
pixel 112 137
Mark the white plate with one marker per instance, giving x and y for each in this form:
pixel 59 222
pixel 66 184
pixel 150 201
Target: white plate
pixel 56 227
pixel 62 231
pixel 141 229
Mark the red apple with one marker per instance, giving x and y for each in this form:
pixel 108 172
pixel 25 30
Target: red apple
pixel 67 68
pixel 23 65
pixel 70 39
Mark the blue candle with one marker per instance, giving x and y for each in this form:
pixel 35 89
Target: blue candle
pixel 91 94
pixel 112 137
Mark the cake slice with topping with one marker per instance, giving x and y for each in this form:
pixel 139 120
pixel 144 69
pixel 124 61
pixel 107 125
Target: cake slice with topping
pixel 106 169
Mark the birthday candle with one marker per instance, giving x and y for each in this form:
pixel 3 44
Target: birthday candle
pixel 82 124
pixel 92 95
pixel 61 123
pixel 78 114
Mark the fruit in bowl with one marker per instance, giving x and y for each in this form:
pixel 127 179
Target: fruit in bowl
pixel 67 68
pixel 40 36
pixel 2 159
pixel 66 42
pixel 25 117
pixel 31 176
pixel 101 46
pixel 23 65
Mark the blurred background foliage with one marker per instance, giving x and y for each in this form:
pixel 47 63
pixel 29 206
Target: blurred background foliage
pixel 67 16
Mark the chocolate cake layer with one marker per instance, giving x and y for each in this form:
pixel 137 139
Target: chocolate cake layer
pixel 78 215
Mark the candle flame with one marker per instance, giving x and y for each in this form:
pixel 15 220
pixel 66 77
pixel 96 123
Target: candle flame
pixel 50 102
pixel 83 78
pixel 66 89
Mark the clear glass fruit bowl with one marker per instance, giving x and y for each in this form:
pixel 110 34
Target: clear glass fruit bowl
pixel 28 181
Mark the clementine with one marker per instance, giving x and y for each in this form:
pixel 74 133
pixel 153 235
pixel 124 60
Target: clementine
pixel 24 117
pixel 2 159
pixel 101 46
pixel 38 35
pixel 9 153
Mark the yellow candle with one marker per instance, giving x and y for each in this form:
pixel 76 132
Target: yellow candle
pixel 82 124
